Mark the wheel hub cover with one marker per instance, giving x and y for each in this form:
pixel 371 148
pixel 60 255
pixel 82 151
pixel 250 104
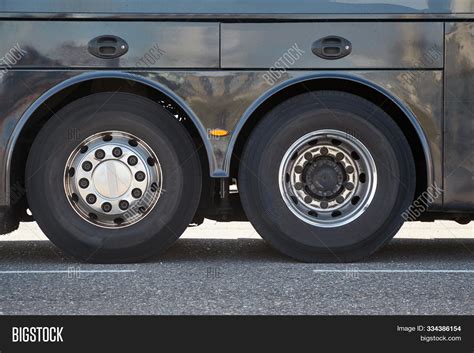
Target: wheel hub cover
pixel 324 177
pixel 112 178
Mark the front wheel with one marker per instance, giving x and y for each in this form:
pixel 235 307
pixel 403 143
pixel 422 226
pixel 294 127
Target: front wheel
pixel 113 177
pixel 331 177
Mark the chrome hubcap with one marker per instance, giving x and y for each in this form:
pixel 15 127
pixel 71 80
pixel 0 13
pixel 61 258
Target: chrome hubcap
pixel 113 179
pixel 327 178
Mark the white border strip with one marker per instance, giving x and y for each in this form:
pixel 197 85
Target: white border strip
pixel 350 270
pixel 64 271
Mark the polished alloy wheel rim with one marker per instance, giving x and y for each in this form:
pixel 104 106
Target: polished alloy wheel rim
pixel 113 179
pixel 327 178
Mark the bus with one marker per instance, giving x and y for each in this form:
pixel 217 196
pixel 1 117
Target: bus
pixel 326 124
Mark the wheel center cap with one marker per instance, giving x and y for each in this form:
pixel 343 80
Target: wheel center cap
pixel 112 178
pixel 324 177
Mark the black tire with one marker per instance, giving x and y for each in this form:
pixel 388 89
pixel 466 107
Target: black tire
pixel 259 180
pixel 164 135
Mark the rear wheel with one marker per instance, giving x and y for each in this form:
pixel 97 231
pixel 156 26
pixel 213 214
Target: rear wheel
pixel 113 177
pixel 332 175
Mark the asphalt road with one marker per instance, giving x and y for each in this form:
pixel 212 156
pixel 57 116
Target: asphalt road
pixel 417 273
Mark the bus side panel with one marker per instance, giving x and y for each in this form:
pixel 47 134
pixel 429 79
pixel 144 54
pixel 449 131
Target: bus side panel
pixel 459 118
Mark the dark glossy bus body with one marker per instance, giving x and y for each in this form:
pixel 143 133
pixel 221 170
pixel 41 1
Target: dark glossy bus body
pixel 223 66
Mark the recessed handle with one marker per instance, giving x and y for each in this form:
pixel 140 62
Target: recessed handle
pixel 331 47
pixel 107 47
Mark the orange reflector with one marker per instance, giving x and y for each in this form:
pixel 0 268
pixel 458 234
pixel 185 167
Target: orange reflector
pixel 218 132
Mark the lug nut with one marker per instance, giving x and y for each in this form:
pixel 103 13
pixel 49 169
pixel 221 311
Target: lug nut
pixel 91 199
pixel 298 169
pixel 140 176
pixel 132 160
pixel 123 204
pixel 349 169
pixel 118 221
pixel 308 199
pixel 339 156
pixel 87 166
pixel 83 183
pixel 324 151
pixel 349 186
pixel 298 186
pixel 106 207
pixel 99 154
pixel 308 156
pixel 117 152
pixel 136 193
pixel 324 204
pixel 340 199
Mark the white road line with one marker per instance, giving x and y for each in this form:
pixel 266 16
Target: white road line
pixel 350 270
pixel 64 271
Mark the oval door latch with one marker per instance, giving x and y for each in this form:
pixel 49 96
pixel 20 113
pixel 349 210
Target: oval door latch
pixel 108 47
pixel 331 47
